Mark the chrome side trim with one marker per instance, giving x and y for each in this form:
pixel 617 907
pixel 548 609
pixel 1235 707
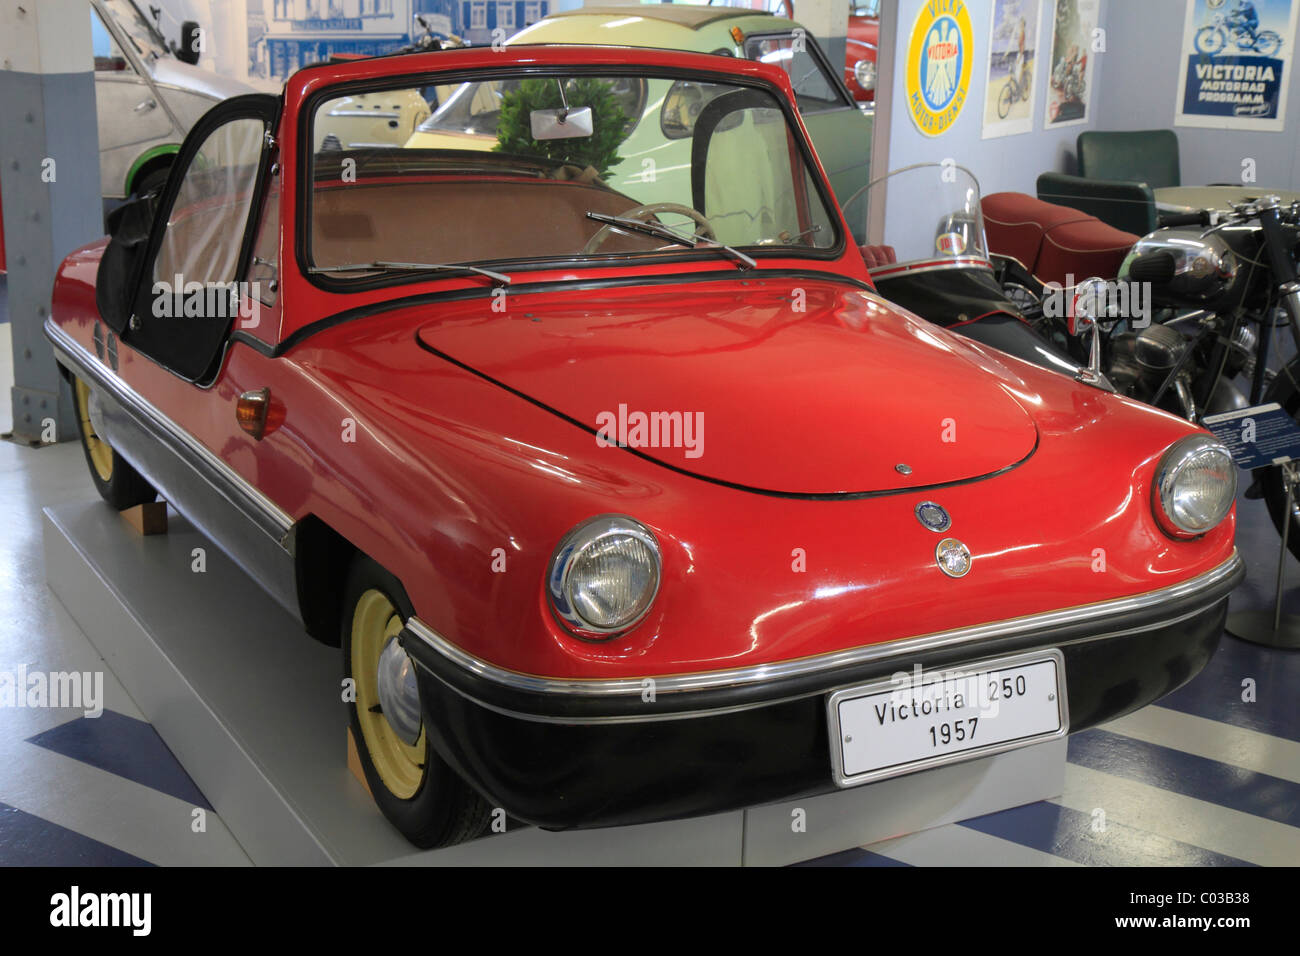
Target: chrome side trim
pixel 242 521
pixel 874 653
pixel 79 359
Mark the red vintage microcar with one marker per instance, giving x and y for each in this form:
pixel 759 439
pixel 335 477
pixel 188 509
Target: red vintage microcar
pixel 860 51
pixel 624 493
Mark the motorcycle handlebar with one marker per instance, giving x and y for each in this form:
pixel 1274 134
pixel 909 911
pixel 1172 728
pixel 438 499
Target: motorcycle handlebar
pixel 1200 217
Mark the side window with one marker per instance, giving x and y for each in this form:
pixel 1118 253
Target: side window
pixel 264 267
pixel 108 56
pixel 814 90
pixel 189 297
pixel 205 228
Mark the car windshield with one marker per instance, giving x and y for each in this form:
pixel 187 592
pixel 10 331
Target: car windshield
pixel 140 31
pixel 931 216
pixel 512 169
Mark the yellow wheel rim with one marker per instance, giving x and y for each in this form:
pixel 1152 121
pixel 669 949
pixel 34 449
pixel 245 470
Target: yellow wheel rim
pixel 400 765
pixel 101 453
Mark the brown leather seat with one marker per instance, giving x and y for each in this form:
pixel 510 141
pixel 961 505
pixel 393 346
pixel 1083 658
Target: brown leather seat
pixel 1053 242
pixel 877 256
pixel 459 220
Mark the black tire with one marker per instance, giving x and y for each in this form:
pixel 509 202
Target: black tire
pixel 1285 390
pixel 152 182
pixel 116 481
pixel 443 810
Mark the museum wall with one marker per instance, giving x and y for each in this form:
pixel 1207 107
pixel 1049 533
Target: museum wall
pixel 1010 162
pixel 1148 35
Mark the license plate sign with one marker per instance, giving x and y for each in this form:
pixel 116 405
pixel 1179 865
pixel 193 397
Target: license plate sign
pixel 918 720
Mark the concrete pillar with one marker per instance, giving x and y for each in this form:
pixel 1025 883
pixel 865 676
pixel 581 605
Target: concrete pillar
pixel 49 174
pixel 828 21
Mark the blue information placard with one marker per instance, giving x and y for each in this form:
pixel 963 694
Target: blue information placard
pixel 1258 436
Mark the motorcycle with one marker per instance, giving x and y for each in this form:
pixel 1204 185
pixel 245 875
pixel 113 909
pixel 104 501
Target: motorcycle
pixel 936 261
pixel 1215 36
pixel 1221 285
pixel 1067 78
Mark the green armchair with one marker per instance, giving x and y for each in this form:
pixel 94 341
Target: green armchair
pixel 1129 206
pixel 1147 156
pixel 1118 173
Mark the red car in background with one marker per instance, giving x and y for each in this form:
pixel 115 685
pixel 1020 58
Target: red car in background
pixel 860 54
pixel 624 499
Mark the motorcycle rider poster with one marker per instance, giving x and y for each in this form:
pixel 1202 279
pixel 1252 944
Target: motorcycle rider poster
pixel 1013 45
pixel 1074 43
pixel 1235 63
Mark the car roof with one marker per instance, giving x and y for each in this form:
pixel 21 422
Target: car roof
pixel 690 16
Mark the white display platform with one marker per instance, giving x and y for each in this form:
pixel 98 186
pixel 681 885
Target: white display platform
pixel 251 708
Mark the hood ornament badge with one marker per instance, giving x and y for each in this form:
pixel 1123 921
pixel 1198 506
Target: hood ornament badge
pixel 932 516
pixel 953 557
pixel 903 469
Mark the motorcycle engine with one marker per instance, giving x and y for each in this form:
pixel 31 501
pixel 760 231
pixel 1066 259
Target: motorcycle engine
pixel 1140 361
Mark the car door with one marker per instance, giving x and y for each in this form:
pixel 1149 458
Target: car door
pixel 187 296
pixel 129 116
pixel 840 132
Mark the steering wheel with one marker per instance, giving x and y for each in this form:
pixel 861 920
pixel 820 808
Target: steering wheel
pixel 646 212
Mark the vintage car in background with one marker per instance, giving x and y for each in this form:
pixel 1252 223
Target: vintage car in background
pixel 147 96
pixel 621 508
pixel 841 134
pixel 860 53
pixel 863 38
pixel 384 118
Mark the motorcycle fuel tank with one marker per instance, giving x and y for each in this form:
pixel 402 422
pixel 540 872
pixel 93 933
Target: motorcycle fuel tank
pixel 1184 266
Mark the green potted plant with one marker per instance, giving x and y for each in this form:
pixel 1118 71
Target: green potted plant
pixel 598 151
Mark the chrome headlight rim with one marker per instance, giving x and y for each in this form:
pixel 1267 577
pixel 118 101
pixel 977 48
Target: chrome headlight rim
pixel 559 573
pixel 864 74
pixel 1176 458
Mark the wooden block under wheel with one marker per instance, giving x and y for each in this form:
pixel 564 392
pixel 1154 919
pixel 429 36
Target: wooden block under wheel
pixel 354 761
pixel 150 518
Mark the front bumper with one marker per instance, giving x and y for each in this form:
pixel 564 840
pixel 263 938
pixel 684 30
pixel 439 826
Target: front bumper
pixel 577 754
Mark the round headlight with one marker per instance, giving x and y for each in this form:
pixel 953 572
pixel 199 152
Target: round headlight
pixel 604 576
pixel 1195 486
pixel 864 71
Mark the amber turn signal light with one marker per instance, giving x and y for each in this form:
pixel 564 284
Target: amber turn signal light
pixel 251 411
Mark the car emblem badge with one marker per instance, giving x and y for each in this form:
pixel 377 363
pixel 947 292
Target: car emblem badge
pixel 933 516
pixel 953 557
pixel 903 469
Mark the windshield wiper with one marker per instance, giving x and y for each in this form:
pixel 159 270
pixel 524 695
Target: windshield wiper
pixel 659 231
pixel 785 239
pixel 382 266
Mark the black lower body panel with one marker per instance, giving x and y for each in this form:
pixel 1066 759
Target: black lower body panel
pixel 579 775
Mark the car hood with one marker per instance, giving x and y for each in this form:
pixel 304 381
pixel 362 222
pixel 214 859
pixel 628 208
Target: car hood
pixel 785 387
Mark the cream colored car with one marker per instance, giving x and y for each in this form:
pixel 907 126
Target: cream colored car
pixel 372 119
pixel 839 130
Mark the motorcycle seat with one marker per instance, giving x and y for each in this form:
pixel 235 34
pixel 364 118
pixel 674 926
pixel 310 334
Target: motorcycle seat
pixel 1082 248
pixel 1053 242
pixel 877 256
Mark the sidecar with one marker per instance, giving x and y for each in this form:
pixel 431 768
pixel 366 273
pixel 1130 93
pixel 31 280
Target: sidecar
pixel 934 259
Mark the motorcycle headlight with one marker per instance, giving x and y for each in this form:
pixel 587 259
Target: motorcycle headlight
pixel 1195 486
pixel 604 576
pixel 864 72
